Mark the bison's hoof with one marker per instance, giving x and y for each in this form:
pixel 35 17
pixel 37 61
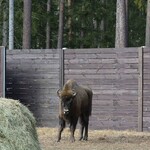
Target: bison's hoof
pixel 85 138
pixel 58 140
pixel 80 138
pixel 72 140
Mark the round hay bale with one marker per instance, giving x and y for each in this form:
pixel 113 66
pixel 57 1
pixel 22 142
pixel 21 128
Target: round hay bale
pixel 17 127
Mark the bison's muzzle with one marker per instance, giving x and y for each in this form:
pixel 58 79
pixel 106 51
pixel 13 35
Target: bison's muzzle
pixel 66 111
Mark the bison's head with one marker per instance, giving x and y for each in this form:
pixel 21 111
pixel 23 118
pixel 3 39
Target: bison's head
pixel 66 98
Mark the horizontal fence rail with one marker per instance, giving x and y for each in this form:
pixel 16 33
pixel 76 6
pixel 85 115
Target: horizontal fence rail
pixel 119 79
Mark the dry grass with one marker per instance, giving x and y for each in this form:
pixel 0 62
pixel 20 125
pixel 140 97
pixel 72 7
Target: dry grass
pixel 17 127
pixel 98 140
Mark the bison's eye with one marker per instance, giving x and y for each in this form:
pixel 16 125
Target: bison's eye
pixel 66 98
pixel 62 103
pixel 69 101
pixel 66 102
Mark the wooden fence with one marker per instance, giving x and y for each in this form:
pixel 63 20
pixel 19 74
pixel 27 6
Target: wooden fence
pixel 113 76
pixel 33 78
pixel 119 79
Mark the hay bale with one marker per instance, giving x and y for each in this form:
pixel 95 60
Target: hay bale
pixel 17 127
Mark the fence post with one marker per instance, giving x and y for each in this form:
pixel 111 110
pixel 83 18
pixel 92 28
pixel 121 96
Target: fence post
pixel 140 89
pixel 2 70
pixel 61 64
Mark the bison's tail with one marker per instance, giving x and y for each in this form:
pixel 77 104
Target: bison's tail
pixel 90 95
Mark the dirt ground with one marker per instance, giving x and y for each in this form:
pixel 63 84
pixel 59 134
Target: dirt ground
pixel 98 140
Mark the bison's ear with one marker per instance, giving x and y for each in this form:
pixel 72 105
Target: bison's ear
pixel 59 92
pixel 74 93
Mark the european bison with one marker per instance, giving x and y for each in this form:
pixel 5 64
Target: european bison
pixel 75 102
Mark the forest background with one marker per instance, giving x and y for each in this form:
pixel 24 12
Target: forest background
pixel 86 24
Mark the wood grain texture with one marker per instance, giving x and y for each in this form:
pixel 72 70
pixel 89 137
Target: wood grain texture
pixel 33 76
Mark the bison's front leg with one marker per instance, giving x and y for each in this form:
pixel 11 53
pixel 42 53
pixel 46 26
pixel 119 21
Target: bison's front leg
pixel 61 128
pixel 72 129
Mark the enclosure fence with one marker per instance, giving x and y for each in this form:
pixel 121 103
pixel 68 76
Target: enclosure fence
pixel 119 78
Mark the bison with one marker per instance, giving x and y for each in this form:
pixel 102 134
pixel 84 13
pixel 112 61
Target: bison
pixel 75 102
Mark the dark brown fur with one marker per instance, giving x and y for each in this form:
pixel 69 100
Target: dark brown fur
pixel 79 99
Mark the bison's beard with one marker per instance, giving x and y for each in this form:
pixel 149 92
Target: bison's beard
pixel 67 118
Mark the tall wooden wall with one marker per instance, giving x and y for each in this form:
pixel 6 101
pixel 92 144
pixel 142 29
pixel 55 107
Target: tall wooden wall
pixel 119 79
pixel 113 76
pixel 146 89
pixel 33 78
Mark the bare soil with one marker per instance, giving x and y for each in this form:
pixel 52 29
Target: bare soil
pixel 98 140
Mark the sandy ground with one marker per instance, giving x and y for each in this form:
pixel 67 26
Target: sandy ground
pixel 98 140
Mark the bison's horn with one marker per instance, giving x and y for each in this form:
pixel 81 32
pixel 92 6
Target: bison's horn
pixel 59 92
pixel 73 92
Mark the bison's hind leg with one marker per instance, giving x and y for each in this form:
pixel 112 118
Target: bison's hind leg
pixel 84 121
pixel 86 118
pixel 81 119
pixel 81 132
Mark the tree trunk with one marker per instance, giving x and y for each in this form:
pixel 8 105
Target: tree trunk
pixel 69 22
pixel 147 38
pixel 102 27
pixel 27 24
pixel 48 25
pixel 121 24
pixel 126 21
pixel 61 25
pixel 82 31
pixel 11 24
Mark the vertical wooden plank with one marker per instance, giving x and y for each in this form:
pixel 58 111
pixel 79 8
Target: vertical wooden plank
pixel 140 90
pixel 61 73
pixel 2 71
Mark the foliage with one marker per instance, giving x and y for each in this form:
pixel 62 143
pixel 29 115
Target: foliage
pixel 140 4
pixel 137 24
pixel 18 24
pixel 92 23
pixel 85 20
